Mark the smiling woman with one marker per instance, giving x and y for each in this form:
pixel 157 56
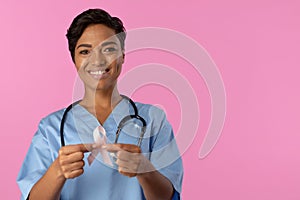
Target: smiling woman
pixel 98 58
pixel 96 43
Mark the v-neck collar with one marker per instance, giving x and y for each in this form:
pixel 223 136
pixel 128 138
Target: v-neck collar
pixel 119 111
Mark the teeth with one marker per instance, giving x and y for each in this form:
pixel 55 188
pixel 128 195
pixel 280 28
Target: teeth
pixel 97 72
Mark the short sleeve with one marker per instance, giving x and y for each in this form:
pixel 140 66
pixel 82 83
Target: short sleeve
pixel 36 162
pixel 165 155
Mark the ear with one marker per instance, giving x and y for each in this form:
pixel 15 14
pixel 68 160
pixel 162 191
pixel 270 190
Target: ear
pixel 123 57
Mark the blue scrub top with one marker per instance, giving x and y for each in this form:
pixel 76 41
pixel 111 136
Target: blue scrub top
pixel 100 181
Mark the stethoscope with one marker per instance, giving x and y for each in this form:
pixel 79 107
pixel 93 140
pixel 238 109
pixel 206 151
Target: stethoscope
pixel 120 126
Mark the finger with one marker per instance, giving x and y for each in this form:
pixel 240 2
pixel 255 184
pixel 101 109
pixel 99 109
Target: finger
pixel 127 172
pixel 69 149
pixel 129 165
pixel 73 166
pixel 112 147
pixel 118 147
pixel 130 148
pixel 85 147
pixel 97 146
pixel 74 173
pixel 74 157
pixel 128 156
pixel 124 169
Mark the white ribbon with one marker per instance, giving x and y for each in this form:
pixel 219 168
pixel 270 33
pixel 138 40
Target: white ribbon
pixel 100 139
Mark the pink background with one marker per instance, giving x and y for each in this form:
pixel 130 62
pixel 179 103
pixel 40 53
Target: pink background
pixel 255 45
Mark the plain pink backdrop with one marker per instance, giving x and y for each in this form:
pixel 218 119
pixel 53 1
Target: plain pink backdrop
pixel 255 45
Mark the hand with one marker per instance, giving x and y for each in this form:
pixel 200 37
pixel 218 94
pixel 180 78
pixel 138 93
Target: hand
pixel 130 160
pixel 70 159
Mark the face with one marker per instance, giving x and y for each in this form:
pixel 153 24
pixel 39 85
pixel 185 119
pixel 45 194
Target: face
pixel 99 57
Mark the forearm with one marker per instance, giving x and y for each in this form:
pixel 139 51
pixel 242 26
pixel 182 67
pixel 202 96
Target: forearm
pixel 50 185
pixel 155 186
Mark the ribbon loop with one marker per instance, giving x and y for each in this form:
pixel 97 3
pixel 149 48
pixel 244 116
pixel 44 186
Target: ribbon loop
pixel 100 139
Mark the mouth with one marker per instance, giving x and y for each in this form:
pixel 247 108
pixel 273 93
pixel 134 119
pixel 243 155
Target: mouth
pixel 98 73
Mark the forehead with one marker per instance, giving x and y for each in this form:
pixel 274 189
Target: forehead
pixel 96 34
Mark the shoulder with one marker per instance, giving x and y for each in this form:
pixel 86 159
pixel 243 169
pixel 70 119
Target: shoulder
pixel 151 111
pixel 47 133
pixel 155 117
pixel 53 117
pixel 51 122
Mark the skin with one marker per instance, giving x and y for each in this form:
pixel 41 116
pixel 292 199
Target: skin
pixel 96 49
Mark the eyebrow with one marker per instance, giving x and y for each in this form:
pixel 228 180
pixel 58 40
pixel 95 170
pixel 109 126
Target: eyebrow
pixel 108 43
pixel 84 45
pixel 103 44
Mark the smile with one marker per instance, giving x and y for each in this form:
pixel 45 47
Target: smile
pixel 98 72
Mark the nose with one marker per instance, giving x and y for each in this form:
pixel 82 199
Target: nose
pixel 97 59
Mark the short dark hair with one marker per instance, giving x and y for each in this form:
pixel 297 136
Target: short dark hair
pixel 93 16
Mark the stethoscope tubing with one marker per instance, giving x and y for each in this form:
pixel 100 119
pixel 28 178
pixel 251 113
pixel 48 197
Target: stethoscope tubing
pixel 120 126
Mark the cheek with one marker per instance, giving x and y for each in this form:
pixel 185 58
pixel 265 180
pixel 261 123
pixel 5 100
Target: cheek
pixel 115 59
pixel 119 63
pixel 78 63
pixel 120 60
pixel 77 66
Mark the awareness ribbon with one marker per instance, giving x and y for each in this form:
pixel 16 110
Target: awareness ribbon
pixel 100 139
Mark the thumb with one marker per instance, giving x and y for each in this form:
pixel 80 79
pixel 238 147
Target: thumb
pixel 85 147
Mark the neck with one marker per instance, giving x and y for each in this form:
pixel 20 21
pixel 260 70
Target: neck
pixel 101 98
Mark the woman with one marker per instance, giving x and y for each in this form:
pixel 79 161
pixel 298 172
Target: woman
pixel 96 43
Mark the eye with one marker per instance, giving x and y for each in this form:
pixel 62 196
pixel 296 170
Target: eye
pixel 84 52
pixel 109 50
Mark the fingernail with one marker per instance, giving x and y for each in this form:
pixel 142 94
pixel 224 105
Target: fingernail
pixel 113 155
